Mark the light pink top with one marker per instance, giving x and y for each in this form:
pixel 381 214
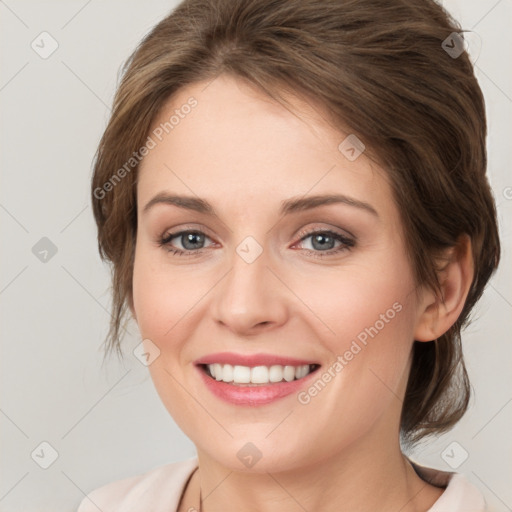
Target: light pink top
pixel 160 490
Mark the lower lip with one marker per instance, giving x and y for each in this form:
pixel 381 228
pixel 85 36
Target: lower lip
pixel 252 395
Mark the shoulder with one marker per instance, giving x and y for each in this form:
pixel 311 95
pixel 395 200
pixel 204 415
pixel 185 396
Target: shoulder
pixel 157 490
pixel 459 495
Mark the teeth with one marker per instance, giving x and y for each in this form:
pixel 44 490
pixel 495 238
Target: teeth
pixel 275 374
pixel 218 371
pixel 289 373
pixel 242 374
pixel 227 373
pixel 257 374
pixel 301 371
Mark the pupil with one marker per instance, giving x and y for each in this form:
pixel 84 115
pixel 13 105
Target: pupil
pixel 321 239
pixel 192 238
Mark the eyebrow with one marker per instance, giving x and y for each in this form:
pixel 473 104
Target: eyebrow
pixel 287 207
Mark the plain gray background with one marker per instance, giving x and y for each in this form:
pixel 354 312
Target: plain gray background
pixel 107 422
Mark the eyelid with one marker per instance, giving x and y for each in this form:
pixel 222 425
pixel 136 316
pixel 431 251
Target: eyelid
pixel 184 227
pixel 322 229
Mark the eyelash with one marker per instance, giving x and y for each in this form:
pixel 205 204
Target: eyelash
pixel 346 243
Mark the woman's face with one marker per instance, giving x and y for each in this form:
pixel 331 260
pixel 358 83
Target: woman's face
pixel 270 282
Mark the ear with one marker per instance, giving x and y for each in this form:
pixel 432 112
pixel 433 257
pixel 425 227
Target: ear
pixel 438 313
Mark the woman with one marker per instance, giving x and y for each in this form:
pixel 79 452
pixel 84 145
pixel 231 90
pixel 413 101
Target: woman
pixel 294 200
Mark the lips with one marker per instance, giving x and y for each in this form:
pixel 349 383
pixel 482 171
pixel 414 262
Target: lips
pixel 251 360
pixel 253 379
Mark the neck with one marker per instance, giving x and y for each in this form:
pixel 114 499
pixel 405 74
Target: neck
pixel 375 478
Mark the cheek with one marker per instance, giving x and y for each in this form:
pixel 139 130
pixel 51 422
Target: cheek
pixel 365 320
pixel 368 353
pixel 160 298
pixel 161 302
pixel 359 303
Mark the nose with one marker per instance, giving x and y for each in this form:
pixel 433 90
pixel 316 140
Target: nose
pixel 250 299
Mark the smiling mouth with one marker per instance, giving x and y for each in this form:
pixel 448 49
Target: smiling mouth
pixel 238 375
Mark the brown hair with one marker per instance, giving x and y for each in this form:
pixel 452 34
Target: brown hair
pixel 379 67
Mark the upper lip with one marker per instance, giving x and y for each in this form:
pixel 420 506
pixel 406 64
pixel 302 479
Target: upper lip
pixel 251 360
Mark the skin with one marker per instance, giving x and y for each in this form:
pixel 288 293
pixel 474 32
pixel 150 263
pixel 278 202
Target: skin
pixel 245 153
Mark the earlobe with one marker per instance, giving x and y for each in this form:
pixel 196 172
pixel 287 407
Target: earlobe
pixel 439 311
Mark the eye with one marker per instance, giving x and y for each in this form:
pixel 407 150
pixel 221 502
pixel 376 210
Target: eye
pixel 323 243
pixel 191 241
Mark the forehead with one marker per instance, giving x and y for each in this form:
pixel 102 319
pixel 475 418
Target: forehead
pixel 231 144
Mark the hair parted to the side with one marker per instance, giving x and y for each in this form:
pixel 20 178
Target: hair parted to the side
pixel 379 68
